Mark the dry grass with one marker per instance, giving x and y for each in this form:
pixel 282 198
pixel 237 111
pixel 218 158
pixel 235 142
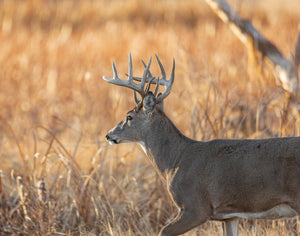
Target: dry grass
pixel 58 175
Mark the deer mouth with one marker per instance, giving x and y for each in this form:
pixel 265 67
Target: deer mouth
pixel 111 140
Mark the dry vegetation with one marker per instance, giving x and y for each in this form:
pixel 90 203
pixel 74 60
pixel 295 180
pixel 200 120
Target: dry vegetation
pixel 58 176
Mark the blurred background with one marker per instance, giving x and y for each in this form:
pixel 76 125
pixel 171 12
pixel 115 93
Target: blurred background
pixel 53 55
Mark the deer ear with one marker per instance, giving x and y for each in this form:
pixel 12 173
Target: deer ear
pixel 149 102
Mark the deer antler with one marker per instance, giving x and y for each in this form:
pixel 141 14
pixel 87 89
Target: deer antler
pixel 147 78
pixel 129 83
pixel 160 81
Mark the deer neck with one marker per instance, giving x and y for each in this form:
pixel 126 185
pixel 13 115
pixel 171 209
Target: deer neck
pixel 164 143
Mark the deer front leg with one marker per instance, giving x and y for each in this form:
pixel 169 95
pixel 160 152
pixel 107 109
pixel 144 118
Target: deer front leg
pixel 184 221
pixel 230 227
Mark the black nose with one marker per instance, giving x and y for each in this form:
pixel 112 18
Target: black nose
pixel 107 137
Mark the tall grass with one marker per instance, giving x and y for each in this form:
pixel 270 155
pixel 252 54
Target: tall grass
pixel 58 176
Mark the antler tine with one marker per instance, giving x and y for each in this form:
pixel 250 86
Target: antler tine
pixel 115 71
pixel 162 81
pixel 151 79
pixel 148 79
pixel 143 81
pixel 115 78
pixel 129 83
pixel 167 83
pixel 163 72
pixel 145 65
pixel 156 88
pixel 146 71
pixel 130 71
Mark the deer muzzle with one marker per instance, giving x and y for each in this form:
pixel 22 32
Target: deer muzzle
pixel 111 139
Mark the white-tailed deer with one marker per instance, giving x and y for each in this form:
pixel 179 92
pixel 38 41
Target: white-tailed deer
pixel 216 180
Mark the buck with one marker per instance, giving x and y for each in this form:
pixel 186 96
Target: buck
pixel 216 180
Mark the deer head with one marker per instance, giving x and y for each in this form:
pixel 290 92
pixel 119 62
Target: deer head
pixel 135 124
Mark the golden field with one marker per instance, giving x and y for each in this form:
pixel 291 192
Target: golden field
pixel 58 175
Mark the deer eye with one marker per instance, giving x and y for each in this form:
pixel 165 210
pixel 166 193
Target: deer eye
pixel 129 117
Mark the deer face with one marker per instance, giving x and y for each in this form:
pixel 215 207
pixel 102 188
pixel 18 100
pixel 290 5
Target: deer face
pixel 130 129
pixel 135 124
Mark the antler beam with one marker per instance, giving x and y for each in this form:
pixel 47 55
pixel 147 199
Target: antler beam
pixel 147 78
pixel 129 83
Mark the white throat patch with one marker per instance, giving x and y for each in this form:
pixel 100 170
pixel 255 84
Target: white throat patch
pixel 143 146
